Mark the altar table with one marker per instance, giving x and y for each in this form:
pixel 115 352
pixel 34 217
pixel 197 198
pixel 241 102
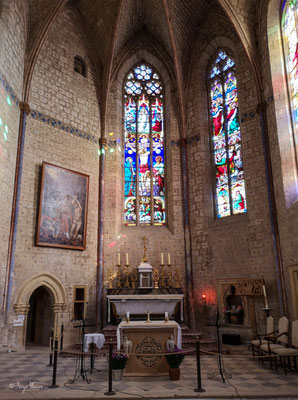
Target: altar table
pixel 141 304
pixel 148 338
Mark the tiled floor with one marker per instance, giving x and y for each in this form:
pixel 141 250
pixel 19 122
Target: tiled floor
pixel 249 380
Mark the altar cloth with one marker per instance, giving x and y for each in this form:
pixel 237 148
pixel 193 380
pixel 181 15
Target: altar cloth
pixel 97 338
pixel 152 325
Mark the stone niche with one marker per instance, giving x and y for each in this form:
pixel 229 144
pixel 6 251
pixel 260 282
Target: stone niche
pixel 235 309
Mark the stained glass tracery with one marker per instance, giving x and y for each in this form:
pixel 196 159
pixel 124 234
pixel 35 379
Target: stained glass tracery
pixel 290 42
pixel 144 193
pixel 230 197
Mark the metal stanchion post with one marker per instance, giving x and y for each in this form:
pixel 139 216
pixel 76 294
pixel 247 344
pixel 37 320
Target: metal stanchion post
pixel 53 385
pixel 110 391
pixel 51 349
pixel 61 337
pixel 199 388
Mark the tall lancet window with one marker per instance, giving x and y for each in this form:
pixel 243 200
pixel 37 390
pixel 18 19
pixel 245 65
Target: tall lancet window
pixel 144 159
pixel 230 195
pixel 289 35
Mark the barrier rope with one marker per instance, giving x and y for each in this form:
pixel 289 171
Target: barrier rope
pixel 167 354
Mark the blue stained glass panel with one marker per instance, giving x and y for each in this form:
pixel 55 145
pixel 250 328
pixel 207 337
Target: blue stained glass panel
pixel 159 211
pixel 144 210
pixel 223 201
pixel 144 158
pixel 130 217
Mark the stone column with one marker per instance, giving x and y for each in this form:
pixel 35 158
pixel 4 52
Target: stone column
pixel 99 283
pixel 261 110
pixel 25 110
pixel 187 237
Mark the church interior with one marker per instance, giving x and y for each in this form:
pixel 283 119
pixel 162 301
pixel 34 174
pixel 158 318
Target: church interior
pixel 176 126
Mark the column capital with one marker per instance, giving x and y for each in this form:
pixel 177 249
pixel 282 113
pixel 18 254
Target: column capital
pixel 24 107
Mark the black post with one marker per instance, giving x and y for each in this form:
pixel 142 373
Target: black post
pixel 53 385
pixel 51 349
pixel 199 388
pixel 110 391
pixel 61 337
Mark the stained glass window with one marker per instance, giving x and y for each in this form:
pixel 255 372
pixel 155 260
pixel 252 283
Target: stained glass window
pixel 144 159
pixel 289 34
pixel 230 195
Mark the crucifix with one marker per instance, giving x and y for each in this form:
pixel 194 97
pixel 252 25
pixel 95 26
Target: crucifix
pixel 145 258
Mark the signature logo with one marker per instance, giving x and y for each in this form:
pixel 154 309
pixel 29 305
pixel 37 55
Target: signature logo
pixel 22 387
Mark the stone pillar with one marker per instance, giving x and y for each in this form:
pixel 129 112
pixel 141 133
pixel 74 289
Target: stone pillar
pixel 25 110
pixel 187 237
pixel 99 283
pixel 261 110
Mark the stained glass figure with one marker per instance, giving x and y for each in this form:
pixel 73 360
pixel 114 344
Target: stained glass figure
pixel 290 42
pixel 230 195
pixel 144 168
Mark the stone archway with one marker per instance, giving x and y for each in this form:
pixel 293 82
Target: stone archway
pixel 22 305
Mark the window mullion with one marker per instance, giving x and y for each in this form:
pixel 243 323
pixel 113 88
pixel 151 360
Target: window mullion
pixel 151 163
pixel 227 140
pixel 137 161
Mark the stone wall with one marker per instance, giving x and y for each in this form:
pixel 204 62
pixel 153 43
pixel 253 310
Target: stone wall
pixel 63 129
pixel 237 246
pixel 12 49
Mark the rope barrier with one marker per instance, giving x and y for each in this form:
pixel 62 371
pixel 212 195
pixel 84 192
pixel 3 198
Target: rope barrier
pixel 166 354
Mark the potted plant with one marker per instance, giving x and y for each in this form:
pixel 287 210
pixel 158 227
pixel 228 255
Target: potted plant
pixel 119 361
pixel 174 359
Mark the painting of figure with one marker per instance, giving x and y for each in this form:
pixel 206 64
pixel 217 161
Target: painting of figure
pixel 62 220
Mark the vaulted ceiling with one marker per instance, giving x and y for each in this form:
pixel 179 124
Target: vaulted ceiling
pixel 113 25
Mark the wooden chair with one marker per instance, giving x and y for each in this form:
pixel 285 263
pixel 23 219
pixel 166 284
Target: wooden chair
pixel 256 343
pixel 280 341
pixel 285 353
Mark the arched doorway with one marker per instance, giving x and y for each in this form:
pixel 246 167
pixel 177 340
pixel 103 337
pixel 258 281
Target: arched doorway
pixel 40 317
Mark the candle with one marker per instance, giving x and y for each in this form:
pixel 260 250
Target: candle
pixel 118 263
pixel 126 258
pixel 169 259
pixel 161 258
pixel 127 314
pixel 265 296
pixel 166 314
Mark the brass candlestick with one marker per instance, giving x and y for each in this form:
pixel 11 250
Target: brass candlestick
pixel 162 275
pixel 110 276
pixel 126 282
pixel 170 276
pixel 134 278
pixel 155 276
pixel 118 281
pixel 148 317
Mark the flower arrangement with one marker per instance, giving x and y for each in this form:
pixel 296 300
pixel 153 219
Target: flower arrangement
pixel 233 309
pixel 119 360
pixel 174 360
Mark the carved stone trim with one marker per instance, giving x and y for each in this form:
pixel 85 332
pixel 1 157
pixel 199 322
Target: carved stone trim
pixel 102 141
pixel 24 107
pixel 249 287
pixel 21 309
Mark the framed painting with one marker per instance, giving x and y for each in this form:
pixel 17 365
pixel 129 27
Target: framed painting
pixel 62 218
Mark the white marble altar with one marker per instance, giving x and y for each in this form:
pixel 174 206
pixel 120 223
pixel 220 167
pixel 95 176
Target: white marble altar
pixel 141 304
